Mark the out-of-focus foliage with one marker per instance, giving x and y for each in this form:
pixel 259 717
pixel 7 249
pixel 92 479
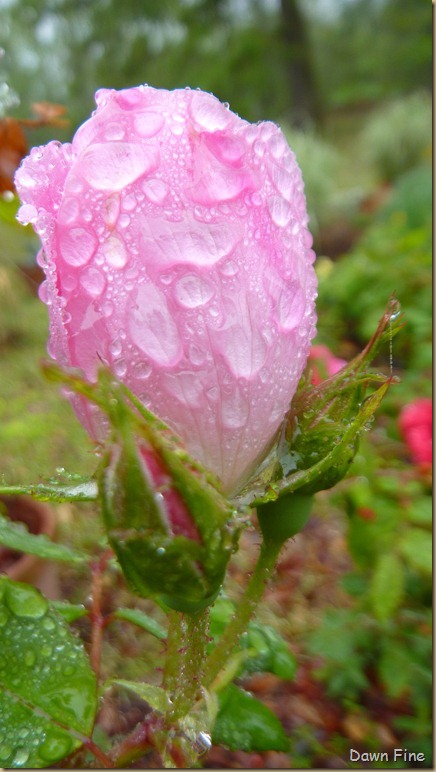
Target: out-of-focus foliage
pixel 391 257
pixel 263 58
pixel 397 137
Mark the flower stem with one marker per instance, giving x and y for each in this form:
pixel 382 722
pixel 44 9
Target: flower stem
pixel 219 657
pixel 187 641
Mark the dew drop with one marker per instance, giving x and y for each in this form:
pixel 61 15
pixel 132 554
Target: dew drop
pixel 280 210
pixel 20 757
pixel 29 658
pixel 55 748
pixel 26 601
pixel 229 268
pixel 155 190
pixel 46 650
pixel 208 112
pixel 92 281
pixel 27 214
pixel 107 308
pixel 77 245
pixel 115 347
pixel 115 252
pixel 114 165
pixel 143 370
pixel 148 124
pixel 49 624
pixel 120 367
pixel 192 291
pixel 111 209
pixel 114 131
pixel 234 410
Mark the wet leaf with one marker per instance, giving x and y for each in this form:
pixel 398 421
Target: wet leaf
pixel 47 688
pixel 155 696
pixel 15 536
pixel 141 619
pixel 244 723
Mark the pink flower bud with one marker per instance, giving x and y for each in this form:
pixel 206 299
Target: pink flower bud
pixel 176 250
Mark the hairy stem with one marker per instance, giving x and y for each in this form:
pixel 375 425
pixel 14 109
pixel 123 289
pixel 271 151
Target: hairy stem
pixel 246 606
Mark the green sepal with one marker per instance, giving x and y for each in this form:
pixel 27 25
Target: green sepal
pixel 281 519
pixel 184 573
pixel 321 433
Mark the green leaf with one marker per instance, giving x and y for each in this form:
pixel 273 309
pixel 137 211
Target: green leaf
pixel 155 696
pixel 420 511
pixel 244 723
pixel 139 618
pixel 47 688
pixel 69 611
pixel 416 548
pixel 272 652
pixel 17 537
pixel 387 584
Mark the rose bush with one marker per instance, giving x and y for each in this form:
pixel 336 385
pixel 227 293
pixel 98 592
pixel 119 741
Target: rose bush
pixel 176 251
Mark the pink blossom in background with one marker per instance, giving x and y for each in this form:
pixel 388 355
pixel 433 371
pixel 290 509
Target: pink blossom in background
pixel 416 426
pixel 176 250
pixel 323 364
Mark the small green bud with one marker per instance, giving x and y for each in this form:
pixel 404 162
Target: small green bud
pixel 281 519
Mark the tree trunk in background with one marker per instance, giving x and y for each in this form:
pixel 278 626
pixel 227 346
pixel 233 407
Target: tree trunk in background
pixel 304 98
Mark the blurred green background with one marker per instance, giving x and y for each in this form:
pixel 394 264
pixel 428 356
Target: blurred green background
pixel 350 83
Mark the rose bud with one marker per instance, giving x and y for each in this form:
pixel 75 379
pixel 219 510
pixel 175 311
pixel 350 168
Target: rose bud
pixel 176 251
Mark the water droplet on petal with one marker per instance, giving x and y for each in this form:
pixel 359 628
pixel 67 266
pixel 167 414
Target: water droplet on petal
pixel 27 214
pixel 93 281
pixel 148 124
pixel 280 210
pixel 114 165
pixel 77 245
pixel 115 252
pixel 152 327
pixel 111 209
pixel 155 190
pixel 208 112
pixel 192 291
pixel 114 131
pixel 142 370
pixel 120 367
pixel 234 410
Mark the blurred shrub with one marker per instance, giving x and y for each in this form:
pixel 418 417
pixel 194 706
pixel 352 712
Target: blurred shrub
pixel 384 636
pixel 397 137
pixel 391 257
pixel 320 163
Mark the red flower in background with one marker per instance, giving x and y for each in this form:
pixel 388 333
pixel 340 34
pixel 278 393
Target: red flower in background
pixel 416 426
pixel 323 363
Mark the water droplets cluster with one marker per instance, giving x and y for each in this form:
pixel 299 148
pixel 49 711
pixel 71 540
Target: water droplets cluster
pixel 37 662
